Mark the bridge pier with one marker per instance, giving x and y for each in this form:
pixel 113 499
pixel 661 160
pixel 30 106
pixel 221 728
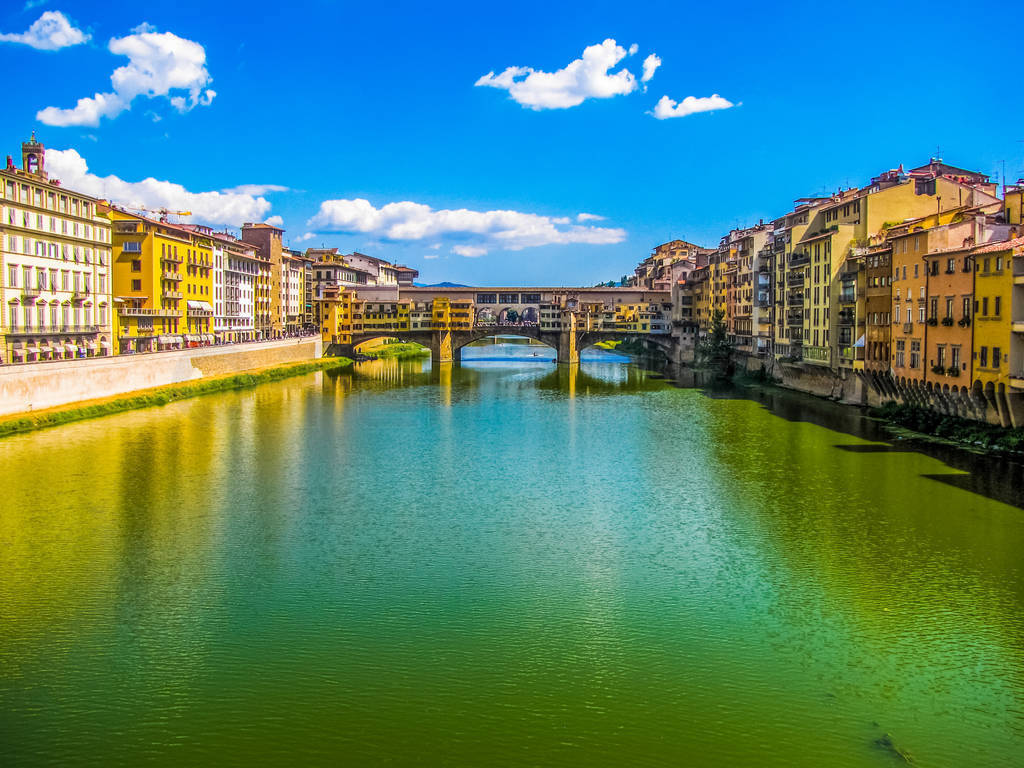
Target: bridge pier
pixel 441 347
pixel 568 348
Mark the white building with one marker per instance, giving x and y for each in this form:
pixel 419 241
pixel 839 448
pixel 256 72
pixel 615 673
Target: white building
pixel 55 266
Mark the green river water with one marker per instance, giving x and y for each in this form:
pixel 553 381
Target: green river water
pixel 506 563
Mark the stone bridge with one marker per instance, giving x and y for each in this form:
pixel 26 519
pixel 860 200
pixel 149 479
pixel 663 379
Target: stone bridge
pixel 445 344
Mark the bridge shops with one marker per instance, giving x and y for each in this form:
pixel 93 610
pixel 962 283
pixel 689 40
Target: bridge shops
pixel 348 317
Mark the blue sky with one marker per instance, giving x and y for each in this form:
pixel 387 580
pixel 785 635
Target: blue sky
pixel 377 102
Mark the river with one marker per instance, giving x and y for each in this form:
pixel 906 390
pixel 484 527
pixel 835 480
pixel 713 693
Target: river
pixel 506 562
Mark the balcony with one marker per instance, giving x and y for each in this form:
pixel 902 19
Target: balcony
pixel 30 292
pixel 171 258
pixel 848 297
pixel 200 312
pixel 908 327
pixel 78 296
pixel 171 294
pixel 175 276
pixel 147 312
pixel 799 259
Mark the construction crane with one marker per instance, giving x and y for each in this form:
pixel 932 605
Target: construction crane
pixel 163 212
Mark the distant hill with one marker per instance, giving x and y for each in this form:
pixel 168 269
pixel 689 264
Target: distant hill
pixel 441 285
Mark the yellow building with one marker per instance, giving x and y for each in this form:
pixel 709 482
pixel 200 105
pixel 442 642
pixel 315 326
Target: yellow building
pixel 335 313
pixel 1012 204
pixel 162 284
pixel 994 315
pixel 385 316
pixel 452 314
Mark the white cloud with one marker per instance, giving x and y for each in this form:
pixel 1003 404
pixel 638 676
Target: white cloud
pixel 274 221
pixel 50 32
pixel 583 78
pixel 470 251
pixel 430 256
pixel 254 189
pixel 159 63
pixel 209 207
pixel 305 237
pixel 510 230
pixel 651 63
pixel 589 217
pixel 666 107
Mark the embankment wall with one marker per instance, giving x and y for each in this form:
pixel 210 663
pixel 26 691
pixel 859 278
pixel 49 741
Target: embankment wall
pixel 34 386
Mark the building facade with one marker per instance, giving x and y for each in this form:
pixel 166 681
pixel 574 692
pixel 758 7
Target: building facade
pixel 55 256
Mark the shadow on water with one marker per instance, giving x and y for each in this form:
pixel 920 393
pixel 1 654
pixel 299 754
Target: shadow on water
pixel 993 476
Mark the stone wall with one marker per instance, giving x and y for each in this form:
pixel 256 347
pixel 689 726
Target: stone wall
pixel 34 386
pixel 843 386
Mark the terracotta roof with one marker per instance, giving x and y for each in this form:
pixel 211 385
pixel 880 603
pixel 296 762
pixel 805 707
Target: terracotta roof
pixel 1004 245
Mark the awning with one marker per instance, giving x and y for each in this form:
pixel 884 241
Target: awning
pixel 18 352
pixel 200 305
pixel 72 348
pixel 45 348
pixel 860 342
pixel 105 344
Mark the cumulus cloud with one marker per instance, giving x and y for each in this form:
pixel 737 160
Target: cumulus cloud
pixel 470 251
pixel 584 78
pixel 651 63
pixel 589 217
pixel 510 230
pixel 275 221
pixel 305 237
pixel 208 207
pixel 666 107
pixel 50 32
pixel 159 64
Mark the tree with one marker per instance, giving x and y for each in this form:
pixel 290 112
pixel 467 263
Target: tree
pixel 512 316
pixel 714 351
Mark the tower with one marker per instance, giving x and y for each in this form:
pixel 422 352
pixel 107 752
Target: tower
pixel 33 157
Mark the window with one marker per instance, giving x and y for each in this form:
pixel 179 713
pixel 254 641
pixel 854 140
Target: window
pixel 999 263
pixel 915 353
pixel 487 298
pixel 996 357
pixel 920 314
pixel 954 356
pixel 934 302
pixel 949 307
pixel 967 308
pixel 136 265
pixel 900 351
pixel 984 306
pixel 940 356
pixel 998 305
pixel 136 285
pixel 983 357
pixel 12 276
pixel 950 266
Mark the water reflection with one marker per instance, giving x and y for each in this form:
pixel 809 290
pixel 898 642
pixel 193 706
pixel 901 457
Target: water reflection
pixel 400 561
